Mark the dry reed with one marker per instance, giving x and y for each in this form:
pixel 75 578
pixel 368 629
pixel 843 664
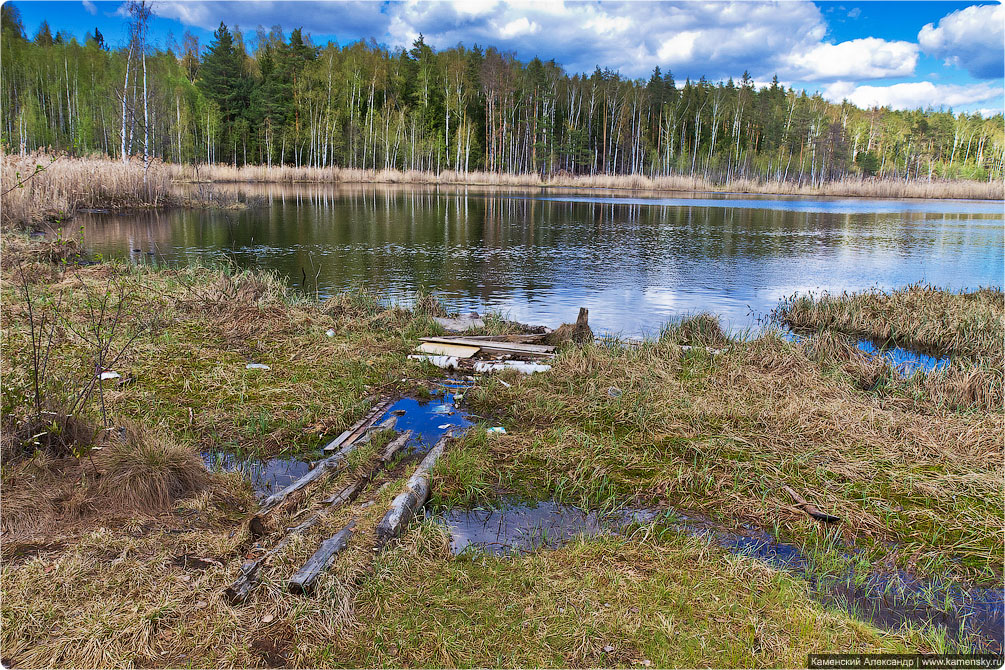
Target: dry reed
pixel 871 187
pixel 924 317
pixel 41 187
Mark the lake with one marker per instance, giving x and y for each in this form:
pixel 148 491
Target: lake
pixel 634 260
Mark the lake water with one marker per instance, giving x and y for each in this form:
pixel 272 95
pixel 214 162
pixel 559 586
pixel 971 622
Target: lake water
pixel 634 260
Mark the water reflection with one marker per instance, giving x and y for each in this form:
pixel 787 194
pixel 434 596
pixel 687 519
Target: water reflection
pixel 635 263
pixel 887 599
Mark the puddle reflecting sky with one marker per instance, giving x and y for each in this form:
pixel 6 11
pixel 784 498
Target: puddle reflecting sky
pixel 886 600
pixel 538 256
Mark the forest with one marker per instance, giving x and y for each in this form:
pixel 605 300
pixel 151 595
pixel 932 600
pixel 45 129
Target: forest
pixel 276 98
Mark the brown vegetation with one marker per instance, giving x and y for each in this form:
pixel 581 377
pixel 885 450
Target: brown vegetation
pixel 871 188
pixel 40 187
pixel 933 320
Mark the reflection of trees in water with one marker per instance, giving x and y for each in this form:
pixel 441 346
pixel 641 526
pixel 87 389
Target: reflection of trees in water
pixel 484 245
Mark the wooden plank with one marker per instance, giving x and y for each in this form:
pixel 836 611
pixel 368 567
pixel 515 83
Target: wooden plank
pixel 250 570
pixel 304 579
pixel 441 349
pixel 503 347
pixel 328 464
pixel 528 338
pixel 356 430
pixel 409 501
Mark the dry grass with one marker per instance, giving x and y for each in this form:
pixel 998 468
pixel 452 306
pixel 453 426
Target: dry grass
pixel 66 185
pixel 722 433
pixel 141 472
pixel 153 595
pixel 872 188
pixel 932 320
pixel 128 568
pixel 147 472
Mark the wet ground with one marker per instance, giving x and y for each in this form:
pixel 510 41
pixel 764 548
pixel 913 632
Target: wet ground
pixel 974 616
pixel 427 419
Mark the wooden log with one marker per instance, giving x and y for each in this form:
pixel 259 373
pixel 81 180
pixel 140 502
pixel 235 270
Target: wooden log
pixel 811 509
pixel 356 430
pixel 413 497
pixel 304 579
pixel 395 446
pixel 248 577
pixel 546 350
pixel 327 465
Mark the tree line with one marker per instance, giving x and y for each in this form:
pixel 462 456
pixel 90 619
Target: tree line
pixel 277 98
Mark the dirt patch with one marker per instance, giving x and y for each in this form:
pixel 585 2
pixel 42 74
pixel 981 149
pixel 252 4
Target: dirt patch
pixel 273 651
pixel 15 552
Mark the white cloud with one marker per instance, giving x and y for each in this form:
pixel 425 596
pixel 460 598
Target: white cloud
pixel 867 58
pixel 972 38
pixel 912 95
pixel 90 7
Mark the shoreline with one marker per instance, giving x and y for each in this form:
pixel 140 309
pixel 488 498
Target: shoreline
pixel 885 189
pixel 684 428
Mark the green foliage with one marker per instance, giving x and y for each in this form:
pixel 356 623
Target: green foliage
pixel 288 101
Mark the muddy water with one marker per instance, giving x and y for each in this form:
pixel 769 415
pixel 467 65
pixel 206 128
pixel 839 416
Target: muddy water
pixel 887 600
pixel 427 419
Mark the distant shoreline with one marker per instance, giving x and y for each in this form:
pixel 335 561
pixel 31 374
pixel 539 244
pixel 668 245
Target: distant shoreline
pixel 865 188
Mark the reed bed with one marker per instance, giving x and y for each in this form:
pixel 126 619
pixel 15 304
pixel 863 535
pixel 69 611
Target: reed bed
pixel 871 188
pixel 40 187
pixel 932 320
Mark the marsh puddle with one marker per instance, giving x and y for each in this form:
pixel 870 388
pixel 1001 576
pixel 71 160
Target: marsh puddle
pixel 267 476
pixel 886 600
pixel 907 361
pixel 427 419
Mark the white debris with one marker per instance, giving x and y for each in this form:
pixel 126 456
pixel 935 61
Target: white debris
pixel 330 332
pixel 497 429
pixel 109 374
pixel 525 367
pixel 257 366
pixel 445 362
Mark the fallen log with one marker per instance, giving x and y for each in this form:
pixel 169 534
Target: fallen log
pixel 413 497
pixel 811 509
pixel 248 577
pixel 304 579
pixel 356 430
pixel 323 467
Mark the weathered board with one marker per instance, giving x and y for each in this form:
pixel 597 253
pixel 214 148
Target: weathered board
pixel 442 349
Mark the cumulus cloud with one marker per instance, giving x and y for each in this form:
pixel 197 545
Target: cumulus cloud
pixel 867 58
pixel 90 7
pixel 972 38
pixel 347 18
pixel 912 95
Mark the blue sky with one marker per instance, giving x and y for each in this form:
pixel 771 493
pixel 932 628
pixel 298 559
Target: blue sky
pixel 905 54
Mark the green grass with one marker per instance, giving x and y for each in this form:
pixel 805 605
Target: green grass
pixel 690 430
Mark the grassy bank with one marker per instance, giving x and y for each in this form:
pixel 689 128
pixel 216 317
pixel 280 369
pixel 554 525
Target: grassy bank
pixel 869 188
pixel 969 323
pixel 125 565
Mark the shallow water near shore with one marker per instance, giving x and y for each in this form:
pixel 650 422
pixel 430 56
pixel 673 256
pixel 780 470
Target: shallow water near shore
pixel 888 600
pixel 428 420
pixel 636 262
